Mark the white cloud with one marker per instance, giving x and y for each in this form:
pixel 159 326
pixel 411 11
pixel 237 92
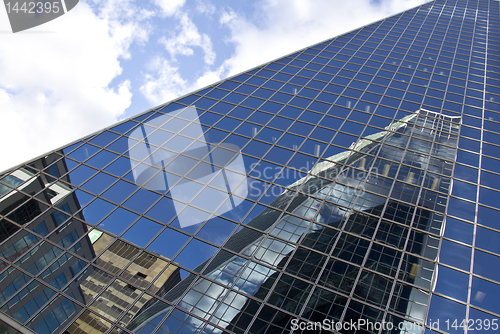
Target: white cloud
pixel 205 7
pixel 187 38
pixel 169 7
pixel 206 79
pixel 163 83
pixel 126 23
pixel 55 86
pixel 280 27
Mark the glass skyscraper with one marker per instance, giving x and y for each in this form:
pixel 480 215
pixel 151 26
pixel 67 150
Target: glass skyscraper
pixel 352 186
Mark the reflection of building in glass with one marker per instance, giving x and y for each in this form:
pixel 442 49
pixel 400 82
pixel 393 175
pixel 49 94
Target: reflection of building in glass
pixel 43 207
pixel 114 302
pixel 31 253
pixel 357 179
pixel 334 213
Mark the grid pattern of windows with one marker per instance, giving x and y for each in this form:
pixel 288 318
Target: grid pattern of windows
pixel 355 179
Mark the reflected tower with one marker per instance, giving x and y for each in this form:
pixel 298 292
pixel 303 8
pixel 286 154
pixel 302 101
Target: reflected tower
pixel 354 180
pixel 363 226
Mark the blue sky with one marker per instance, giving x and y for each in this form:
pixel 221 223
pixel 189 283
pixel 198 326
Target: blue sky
pixel 107 60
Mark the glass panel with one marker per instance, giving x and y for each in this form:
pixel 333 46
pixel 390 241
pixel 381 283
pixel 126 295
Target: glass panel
pixel 83 152
pixel 194 254
pixel 441 310
pixel 163 211
pixel 119 191
pixel 482 321
pixel 168 243
pixel 485 294
pixel 142 232
pixel 80 175
pixel 98 183
pixel 96 210
pixel 56 314
pixel 101 159
pixel 118 221
pixel 487 265
pixel 216 230
pixel 459 230
pixel 141 200
pixel 455 255
pixel 488 240
pixel 452 283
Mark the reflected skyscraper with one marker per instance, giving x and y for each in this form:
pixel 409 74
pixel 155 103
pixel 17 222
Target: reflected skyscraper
pixel 354 182
pixel 329 219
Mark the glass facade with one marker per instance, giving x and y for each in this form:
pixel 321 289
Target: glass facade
pixel 351 185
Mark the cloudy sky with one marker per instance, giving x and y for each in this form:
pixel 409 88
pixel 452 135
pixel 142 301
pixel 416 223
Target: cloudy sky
pixel 107 60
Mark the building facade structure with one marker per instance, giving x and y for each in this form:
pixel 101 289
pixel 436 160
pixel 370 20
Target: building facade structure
pixel 352 185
